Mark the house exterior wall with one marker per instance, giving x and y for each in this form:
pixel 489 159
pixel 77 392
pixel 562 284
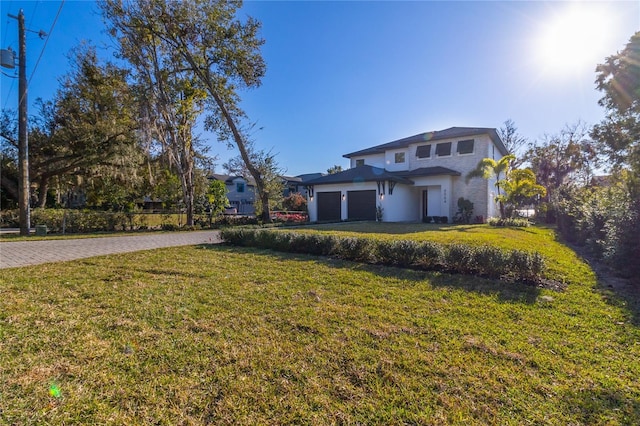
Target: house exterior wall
pixel 462 163
pixel 401 206
pixel 390 160
pixel 440 191
pixel 376 160
pixel 312 205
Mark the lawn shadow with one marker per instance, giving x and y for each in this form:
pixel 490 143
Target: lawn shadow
pixel 623 293
pixel 505 291
pixel 619 292
pixel 591 406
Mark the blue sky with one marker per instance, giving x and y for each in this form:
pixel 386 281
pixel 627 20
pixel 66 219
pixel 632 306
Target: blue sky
pixel 343 76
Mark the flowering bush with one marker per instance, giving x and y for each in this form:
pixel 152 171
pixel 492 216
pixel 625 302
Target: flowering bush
pixel 290 217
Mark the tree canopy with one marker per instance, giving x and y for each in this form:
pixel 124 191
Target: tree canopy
pixel 618 78
pixel 205 39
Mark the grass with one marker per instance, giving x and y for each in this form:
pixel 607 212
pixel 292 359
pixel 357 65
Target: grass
pixel 223 335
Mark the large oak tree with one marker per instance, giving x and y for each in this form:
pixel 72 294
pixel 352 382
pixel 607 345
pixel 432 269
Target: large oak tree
pixel 206 39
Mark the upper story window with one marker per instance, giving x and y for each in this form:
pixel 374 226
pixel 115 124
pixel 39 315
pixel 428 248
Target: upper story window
pixel 465 147
pixel 239 186
pixel 399 157
pixel 443 149
pixel 360 162
pixel 423 151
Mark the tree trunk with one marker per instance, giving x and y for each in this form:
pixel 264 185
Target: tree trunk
pixel 42 192
pixel 237 136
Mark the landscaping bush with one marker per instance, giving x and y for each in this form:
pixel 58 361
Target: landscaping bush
pixel 456 258
pixel 492 261
pixel 398 252
pixel 357 249
pixel 526 266
pixel 227 220
pixel 460 258
pixel 10 219
pixel 516 222
pixel 430 255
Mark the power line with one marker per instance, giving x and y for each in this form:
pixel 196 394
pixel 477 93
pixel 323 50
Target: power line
pixel 13 81
pixel 6 27
pixel 46 41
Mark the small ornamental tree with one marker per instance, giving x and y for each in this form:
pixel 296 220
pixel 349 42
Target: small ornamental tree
pixel 521 189
pixel 216 197
pixel 488 168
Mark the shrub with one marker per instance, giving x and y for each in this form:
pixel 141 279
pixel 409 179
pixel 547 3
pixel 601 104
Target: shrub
pixel 430 255
pixel 10 219
pixel 399 252
pixel 492 261
pixel 509 221
pixel 295 202
pixel 357 249
pixel 460 258
pixel 456 258
pixel 465 210
pixel 526 266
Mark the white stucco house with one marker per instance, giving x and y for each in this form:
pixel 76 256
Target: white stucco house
pixel 410 179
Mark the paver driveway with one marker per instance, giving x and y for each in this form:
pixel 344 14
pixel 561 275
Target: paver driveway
pixel 23 253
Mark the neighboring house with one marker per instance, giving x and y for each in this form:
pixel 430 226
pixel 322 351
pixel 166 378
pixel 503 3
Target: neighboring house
pixel 298 183
pixel 150 204
pixel 292 184
pixel 240 192
pixel 410 179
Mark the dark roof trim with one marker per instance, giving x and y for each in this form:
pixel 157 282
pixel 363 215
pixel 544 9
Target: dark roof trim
pixel 372 174
pixel 450 133
pixel 429 171
pixel 359 174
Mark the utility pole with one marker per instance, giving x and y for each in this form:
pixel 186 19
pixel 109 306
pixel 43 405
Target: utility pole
pixel 24 193
pixel 23 134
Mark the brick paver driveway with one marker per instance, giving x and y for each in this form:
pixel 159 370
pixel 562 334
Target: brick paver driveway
pixel 24 253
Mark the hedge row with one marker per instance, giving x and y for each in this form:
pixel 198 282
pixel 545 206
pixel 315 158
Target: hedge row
pixel 482 260
pixel 78 221
pixel 517 222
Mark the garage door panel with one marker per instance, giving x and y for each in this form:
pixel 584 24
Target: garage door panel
pixel 361 205
pixel 329 206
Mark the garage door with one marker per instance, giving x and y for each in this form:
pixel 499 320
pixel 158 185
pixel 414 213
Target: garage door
pixel 361 205
pixel 329 206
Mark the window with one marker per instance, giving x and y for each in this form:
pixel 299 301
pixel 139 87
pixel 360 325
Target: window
pixel 240 187
pixel 399 157
pixel 465 147
pixel 443 149
pixel 423 151
pixel 360 162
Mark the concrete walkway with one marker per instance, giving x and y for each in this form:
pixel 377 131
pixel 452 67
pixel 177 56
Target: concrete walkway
pixel 25 253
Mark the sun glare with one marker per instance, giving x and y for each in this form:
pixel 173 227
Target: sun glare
pixel 573 40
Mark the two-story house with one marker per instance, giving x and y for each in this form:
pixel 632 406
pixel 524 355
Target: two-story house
pixel 410 178
pixel 240 192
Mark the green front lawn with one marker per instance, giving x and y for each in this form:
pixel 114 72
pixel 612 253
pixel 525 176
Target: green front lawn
pixel 225 335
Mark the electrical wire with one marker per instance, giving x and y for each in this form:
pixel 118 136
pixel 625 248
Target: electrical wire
pixel 46 41
pixel 6 28
pixel 4 41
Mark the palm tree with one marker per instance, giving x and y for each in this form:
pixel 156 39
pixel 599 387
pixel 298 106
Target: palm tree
pixel 488 168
